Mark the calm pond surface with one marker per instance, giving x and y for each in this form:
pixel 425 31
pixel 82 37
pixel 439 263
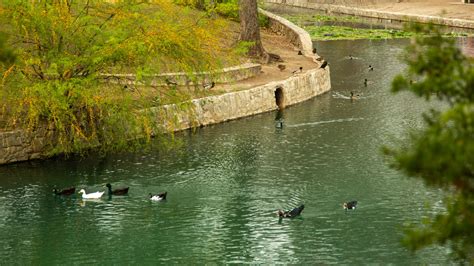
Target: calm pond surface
pixel 226 182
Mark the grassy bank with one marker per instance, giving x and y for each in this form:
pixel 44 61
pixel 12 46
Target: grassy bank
pixel 323 27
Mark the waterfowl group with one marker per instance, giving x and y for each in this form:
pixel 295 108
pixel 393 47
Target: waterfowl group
pixel 97 195
pixel 350 205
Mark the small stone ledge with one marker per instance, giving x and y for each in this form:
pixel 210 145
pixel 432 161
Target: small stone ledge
pixel 225 75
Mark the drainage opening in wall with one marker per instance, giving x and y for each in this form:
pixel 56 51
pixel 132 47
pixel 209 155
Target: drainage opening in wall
pixel 279 97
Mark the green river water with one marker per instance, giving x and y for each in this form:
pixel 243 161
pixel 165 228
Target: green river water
pixel 226 181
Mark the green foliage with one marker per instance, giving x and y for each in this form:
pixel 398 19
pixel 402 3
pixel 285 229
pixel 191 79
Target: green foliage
pixel 342 28
pixel 441 69
pixel 243 47
pixel 263 21
pixel 64 48
pixel 302 18
pixel 324 27
pixel 442 154
pixel 6 54
pixel 229 10
pixel 350 33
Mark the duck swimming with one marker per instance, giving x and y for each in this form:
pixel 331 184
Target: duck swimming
pixel 65 191
pixel 291 214
pixel 158 197
pixel 117 191
pixel 95 195
pixel 354 96
pixel 279 124
pixel 351 205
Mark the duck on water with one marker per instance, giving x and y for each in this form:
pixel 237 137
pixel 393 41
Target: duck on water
pixel 350 205
pixel 65 191
pixel 291 213
pixel 158 197
pixel 94 195
pixel 117 191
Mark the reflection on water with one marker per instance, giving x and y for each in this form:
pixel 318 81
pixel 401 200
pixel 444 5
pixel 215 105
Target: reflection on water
pixel 226 182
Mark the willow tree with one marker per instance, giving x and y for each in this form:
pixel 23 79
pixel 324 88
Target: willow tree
pixel 6 54
pixel 249 27
pixel 441 154
pixel 63 48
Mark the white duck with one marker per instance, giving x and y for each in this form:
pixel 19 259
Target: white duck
pixel 95 195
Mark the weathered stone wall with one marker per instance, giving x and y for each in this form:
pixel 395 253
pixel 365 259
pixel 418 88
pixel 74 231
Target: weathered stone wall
pixel 229 106
pixel 296 35
pixel 364 12
pixel 19 145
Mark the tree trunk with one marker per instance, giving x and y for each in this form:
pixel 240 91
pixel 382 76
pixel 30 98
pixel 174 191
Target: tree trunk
pixel 249 28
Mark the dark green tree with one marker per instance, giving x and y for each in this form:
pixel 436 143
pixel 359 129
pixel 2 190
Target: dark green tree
pixel 442 154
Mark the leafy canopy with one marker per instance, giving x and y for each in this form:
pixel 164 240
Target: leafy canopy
pixel 442 154
pixel 6 54
pixel 65 47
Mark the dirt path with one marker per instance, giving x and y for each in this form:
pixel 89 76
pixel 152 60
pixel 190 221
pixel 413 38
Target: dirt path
pixel 275 44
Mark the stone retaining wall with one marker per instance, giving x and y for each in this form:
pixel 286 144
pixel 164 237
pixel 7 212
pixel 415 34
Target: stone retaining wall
pixel 296 35
pixel 363 12
pixel 229 106
pixel 226 75
pixel 19 145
